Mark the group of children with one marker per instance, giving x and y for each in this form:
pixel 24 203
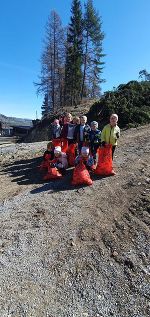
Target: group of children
pixel 81 141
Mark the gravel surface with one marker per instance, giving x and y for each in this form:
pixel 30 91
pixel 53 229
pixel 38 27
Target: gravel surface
pixel 75 252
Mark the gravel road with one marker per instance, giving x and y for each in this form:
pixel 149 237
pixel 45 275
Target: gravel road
pixel 75 252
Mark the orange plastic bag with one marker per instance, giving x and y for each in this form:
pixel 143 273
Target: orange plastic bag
pixel 45 162
pixel 64 145
pixel 52 173
pixel 104 165
pixel 44 165
pixel 81 175
pixel 56 142
pixel 71 154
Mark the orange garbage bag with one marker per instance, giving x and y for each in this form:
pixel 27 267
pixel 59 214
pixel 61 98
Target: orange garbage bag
pixel 44 165
pixel 45 162
pixel 71 154
pixel 64 145
pixel 56 142
pixel 81 175
pixel 104 165
pixel 52 173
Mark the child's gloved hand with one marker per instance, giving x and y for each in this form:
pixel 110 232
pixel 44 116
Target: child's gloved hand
pixel 53 164
pixel 90 161
pixel 96 141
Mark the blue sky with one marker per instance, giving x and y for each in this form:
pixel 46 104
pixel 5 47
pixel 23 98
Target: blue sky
pixel 126 25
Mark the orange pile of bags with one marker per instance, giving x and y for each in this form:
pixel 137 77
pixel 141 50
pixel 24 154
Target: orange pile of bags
pixel 104 165
pixel 81 175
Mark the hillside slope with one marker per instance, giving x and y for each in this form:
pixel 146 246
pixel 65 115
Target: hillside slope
pixel 15 122
pixel 130 101
pixel 69 251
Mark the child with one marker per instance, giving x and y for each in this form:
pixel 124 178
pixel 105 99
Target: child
pixel 76 120
pixel 60 160
pixel 56 129
pixel 111 132
pixel 68 129
pixel 85 158
pixel 67 118
pixel 81 132
pixel 94 138
pixel 48 155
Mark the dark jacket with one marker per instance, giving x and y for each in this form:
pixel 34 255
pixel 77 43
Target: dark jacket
pixel 64 132
pixel 95 137
pixel 85 133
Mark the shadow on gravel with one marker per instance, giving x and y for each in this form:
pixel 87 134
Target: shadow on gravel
pixel 62 184
pixel 24 172
pixel 57 184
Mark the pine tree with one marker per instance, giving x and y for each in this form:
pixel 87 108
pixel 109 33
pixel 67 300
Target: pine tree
pixel 53 63
pixel 45 106
pixel 92 56
pixel 73 71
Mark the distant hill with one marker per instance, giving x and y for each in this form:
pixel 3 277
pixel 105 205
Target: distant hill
pixel 15 122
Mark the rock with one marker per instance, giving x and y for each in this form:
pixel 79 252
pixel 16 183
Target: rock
pixel 143 255
pixel 145 271
pixel 129 263
pixel 147 180
pixel 114 254
pixel 73 244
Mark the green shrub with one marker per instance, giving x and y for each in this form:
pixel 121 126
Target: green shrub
pixel 130 101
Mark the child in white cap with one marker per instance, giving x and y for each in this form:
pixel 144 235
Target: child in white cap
pixel 85 158
pixel 60 160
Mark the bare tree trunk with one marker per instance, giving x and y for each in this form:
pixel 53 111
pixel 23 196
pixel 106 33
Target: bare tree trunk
pixel 85 64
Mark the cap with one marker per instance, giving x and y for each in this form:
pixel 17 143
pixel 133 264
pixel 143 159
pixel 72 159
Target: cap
pixel 94 123
pixel 85 150
pixel 57 149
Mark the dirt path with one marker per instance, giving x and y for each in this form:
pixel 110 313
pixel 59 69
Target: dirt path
pixel 76 251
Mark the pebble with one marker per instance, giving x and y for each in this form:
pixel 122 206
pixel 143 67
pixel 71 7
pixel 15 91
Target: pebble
pixel 143 254
pixel 147 180
pixel 73 244
pixel 145 270
pixel 114 254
